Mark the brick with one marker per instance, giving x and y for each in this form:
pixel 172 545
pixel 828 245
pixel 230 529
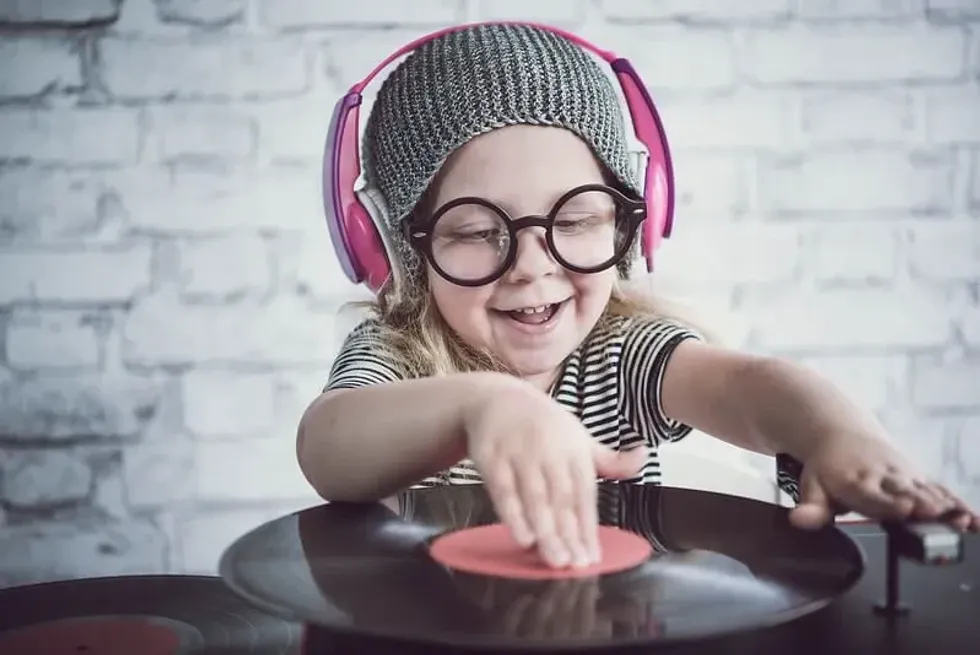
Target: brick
pixel 204 537
pixel 945 250
pixel 969 325
pixel 265 470
pixel 294 129
pixel 351 54
pixel 46 551
pixel 234 404
pixel 304 14
pixel 58 207
pixel 946 385
pixel 105 275
pixel 866 181
pixel 856 117
pixel 924 440
pixel 160 331
pixel 817 10
pixel 854 53
pixel 952 10
pixel 852 253
pixel 708 184
pixel 200 132
pixel 214 69
pixel 80 136
pixel 968 449
pixel 708 56
pixel 33 66
pixel 209 201
pixel 158 474
pixel 216 13
pixel 974 183
pixel 951 115
pixel 74 405
pixel 696 11
pixel 841 320
pixel 307 265
pixel 753 120
pixel 224 268
pixel 54 338
pixel 59 12
pixel 44 479
pixel 564 14
pixel 872 382
pixel 109 495
pixel 725 253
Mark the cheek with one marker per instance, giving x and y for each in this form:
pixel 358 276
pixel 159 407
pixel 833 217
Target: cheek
pixel 462 308
pixel 594 290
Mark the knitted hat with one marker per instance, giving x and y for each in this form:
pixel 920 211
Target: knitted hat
pixel 467 82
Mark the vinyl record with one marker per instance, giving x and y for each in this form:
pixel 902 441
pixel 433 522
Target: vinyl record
pixel 720 565
pixel 149 615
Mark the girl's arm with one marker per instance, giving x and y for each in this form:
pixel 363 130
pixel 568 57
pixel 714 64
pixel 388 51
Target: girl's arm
pixel 366 443
pixel 762 404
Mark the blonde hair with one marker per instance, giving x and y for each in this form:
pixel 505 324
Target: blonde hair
pixel 414 334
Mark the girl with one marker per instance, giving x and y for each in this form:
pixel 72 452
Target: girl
pixel 512 352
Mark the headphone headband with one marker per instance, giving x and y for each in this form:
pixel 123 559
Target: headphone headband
pixel 356 227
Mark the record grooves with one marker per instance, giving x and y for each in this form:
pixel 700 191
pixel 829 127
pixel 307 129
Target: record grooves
pixel 145 615
pixel 721 565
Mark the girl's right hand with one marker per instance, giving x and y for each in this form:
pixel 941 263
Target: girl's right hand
pixel 540 467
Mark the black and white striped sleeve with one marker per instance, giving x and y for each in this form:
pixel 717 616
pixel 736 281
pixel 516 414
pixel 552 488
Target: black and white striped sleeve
pixel 647 348
pixel 362 362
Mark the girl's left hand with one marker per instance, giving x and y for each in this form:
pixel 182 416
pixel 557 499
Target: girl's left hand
pixel 867 475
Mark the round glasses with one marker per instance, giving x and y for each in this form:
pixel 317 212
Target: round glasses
pixel 472 241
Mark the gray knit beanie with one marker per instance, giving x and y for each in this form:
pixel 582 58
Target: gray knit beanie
pixel 470 81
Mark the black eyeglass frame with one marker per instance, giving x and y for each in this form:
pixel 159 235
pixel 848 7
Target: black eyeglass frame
pixel 419 234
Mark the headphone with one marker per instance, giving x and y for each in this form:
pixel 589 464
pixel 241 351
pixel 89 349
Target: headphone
pixel 355 216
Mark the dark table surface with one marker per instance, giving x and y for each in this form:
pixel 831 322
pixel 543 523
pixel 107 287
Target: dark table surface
pixel 944 616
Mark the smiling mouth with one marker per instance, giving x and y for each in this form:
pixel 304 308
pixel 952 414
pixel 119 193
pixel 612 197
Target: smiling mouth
pixel 533 315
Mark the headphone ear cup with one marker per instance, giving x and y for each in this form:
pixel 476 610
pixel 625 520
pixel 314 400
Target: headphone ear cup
pixel 365 229
pixel 375 249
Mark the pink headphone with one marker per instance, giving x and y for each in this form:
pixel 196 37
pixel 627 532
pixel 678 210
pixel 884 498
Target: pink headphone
pixel 355 219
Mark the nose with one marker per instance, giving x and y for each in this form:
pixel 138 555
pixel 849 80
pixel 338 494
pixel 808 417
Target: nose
pixel 533 259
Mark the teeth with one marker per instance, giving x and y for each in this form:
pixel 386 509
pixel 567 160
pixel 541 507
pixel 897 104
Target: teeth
pixel 533 310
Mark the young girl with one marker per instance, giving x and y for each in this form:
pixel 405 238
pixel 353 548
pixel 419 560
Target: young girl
pixel 510 349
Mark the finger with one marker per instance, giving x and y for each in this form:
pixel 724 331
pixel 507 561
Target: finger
pixel 959 514
pixel 587 509
pixel 813 509
pixel 618 465
pixel 928 501
pixel 933 500
pixel 535 497
pixel 867 497
pixel 502 488
pixel 564 498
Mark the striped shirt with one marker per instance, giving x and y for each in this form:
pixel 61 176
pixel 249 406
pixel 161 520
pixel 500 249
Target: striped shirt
pixel 612 383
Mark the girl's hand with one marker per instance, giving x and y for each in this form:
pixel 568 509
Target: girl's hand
pixel 866 474
pixel 540 465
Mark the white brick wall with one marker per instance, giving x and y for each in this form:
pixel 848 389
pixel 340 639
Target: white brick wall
pixel 168 294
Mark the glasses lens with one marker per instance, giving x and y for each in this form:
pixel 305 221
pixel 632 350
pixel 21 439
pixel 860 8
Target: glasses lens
pixel 590 230
pixel 470 242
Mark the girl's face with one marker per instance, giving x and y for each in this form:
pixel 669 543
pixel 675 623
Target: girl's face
pixel 524 170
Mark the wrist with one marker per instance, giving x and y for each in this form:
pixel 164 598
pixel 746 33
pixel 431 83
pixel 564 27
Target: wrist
pixel 483 389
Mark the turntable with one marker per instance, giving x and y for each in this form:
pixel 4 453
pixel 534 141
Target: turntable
pixel 718 574
pixel 725 574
